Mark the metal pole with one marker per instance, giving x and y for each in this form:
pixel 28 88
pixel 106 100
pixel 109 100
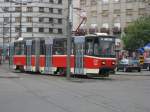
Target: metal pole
pixel 10 32
pixel 3 39
pixel 69 31
pixel 20 33
pixel 10 27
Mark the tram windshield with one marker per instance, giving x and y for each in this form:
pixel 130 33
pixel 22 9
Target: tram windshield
pixel 100 46
pixel 19 48
pixel 107 47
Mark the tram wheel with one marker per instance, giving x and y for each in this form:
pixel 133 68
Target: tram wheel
pixel 61 71
pixel 104 73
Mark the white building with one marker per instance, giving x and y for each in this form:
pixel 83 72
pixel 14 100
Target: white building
pixel 35 18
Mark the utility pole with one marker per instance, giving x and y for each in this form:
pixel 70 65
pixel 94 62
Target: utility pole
pixel 3 39
pixel 10 26
pixel 20 32
pixel 10 35
pixel 69 32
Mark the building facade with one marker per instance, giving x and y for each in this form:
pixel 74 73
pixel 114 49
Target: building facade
pixel 32 18
pixel 148 7
pixel 111 16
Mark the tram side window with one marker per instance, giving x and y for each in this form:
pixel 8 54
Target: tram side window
pixel 96 47
pixel 89 47
pixel 19 48
pixel 72 48
pixel 42 47
pixel 59 47
pixel 33 48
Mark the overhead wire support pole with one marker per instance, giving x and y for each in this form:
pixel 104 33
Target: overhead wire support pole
pixel 20 33
pixel 69 32
pixel 3 40
pixel 10 33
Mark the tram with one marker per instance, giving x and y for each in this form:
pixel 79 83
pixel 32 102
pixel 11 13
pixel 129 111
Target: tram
pixel 90 55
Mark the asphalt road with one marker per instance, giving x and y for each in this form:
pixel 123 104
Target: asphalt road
pixel 23 92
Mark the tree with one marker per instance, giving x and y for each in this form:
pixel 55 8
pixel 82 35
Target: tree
pixel 137 34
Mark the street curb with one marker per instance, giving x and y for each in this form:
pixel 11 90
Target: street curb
pixel 129 74
pixel 9 77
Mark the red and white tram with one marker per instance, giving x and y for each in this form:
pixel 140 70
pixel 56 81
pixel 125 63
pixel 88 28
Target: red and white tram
pixel 93 54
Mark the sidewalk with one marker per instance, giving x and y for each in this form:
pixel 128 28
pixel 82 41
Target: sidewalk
pixel 5 72
pixel 135 73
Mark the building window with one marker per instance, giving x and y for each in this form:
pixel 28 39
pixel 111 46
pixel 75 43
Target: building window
pixel 93 13
pixel 142 11
pixel 83 2
pixel 6 30
pixel 41 29
pixel 105 1
pixel 59 1
pixel 93 2
pixel 129 12
pixel 6 19
pixel 29 9
pixel 41 19
pixel 41 9
pixel 50 30
pixel 17 29
pixel 6 0
pixel 51 10
pixel 59 11
pixel 59 21
pixel 6 9
pixel 29 19
pixel 117 12
pixel 59 31
pixel 18 9
pixel 41 1
pixel 17 19
pixel 29 29
pixel 51 1
pixel 130 0
pixel 51 20
pixel 116 1
pixel 105 13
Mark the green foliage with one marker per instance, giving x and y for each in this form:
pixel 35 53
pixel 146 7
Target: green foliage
pixel 137 34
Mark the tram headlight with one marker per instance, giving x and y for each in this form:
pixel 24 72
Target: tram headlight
pixel 113 63
pixel 103 62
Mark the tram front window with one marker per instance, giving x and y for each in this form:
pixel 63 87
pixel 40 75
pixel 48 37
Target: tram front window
pixel 19 48
pixel 107 47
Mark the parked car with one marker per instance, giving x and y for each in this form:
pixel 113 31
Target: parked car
pixel 146 64
pixel 0 59
pixel 128 65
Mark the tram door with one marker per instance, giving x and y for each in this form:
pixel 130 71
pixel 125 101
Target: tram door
pixel 11 53
pixel 28 55
pixel 48 56
pixel 79 54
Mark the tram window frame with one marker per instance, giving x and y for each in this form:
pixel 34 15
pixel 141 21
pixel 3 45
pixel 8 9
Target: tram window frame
pixel 87 52
pixel 21 48
pixel 42 47
pixel 112 42
pixel 33 47
pixel 96 40
pixel 58 49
